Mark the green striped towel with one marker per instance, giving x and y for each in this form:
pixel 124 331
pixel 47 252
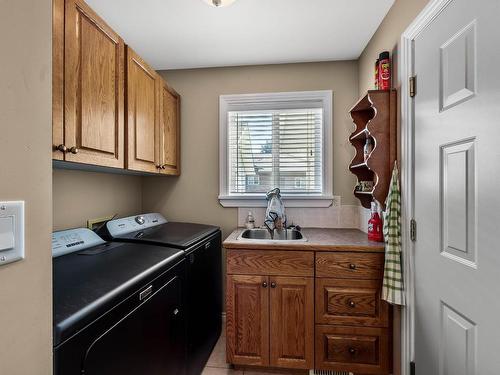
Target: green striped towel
pixel 393 288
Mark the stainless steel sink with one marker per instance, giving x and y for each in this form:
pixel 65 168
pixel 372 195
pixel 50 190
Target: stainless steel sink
pixel 261 234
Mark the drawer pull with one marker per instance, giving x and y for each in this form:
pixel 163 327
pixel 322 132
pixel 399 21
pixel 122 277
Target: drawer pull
pixel 273 285
pixel 264 284
pixel 352 304
pixel 352 266
pixel 352 351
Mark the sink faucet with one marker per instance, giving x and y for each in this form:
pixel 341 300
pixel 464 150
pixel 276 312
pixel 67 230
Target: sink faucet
pixel 275 213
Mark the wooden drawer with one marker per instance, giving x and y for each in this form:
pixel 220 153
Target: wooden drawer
pixel 351 302
pixel 266 262
pixel 366 266
pixel 358 350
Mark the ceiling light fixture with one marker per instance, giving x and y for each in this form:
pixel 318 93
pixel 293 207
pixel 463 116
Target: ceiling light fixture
pixel 219 3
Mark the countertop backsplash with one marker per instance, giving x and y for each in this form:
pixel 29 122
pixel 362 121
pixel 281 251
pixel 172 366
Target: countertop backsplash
pixel 343 216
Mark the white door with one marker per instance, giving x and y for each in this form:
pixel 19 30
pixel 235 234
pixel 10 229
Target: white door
pixel 457 191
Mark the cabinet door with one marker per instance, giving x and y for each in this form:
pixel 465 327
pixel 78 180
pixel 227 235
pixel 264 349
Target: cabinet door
pixel 247 309
pixel 142 115
pixel 93 89
pixel 292 322
pixel 169 130
pixel 58 79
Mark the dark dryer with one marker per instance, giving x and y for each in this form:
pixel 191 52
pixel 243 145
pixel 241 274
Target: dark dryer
pixel 202 246
pixel 118 308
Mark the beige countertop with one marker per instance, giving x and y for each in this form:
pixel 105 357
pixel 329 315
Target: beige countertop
pixel 318 239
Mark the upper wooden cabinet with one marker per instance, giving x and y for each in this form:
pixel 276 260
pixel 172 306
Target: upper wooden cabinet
pixel 93 89
pixel 92 122
pixel 169 130
pixel 142 115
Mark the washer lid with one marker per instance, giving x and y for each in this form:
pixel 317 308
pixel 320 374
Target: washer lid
pixel 179 235
pixel 90 282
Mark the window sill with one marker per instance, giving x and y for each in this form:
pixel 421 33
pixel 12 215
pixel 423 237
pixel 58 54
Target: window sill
pixel 296 201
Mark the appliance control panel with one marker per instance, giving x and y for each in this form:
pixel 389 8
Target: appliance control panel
pixel 134 223
pixel 11 231
pixel 71 240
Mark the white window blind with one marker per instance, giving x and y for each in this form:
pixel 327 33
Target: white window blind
pixel 275 148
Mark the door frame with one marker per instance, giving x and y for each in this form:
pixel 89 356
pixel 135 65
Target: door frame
pixel 407 126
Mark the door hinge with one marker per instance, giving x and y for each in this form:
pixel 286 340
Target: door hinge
pixel 412 368
pixel 413 86
pixel 413 230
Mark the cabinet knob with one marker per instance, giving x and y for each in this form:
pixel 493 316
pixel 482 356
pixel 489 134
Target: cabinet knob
pixel 352 266
pixel 74 150
pixel 62 148
pixel 158 166
pixel 273 285
pixel 352 350
pixel 264 284
pixel 352 303
pixel 163 166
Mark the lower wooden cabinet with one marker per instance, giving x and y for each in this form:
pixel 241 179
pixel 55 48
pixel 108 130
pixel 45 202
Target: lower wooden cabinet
pixel 292 322
pixel 270 321
pixel 353 349
pixel 247 320
pixel 305 310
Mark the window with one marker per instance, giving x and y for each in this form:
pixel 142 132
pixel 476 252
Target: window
pixel 276 140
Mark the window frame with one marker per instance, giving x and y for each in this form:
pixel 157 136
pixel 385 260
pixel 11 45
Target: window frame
pixel 276 100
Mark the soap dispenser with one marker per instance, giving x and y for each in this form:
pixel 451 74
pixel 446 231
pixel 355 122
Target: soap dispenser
pixel 250 221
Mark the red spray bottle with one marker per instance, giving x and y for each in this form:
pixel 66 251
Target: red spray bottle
pixel 375 225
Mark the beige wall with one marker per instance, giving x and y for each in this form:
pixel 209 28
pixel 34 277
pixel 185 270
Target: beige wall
pixel 80 195
pixel 193 196
pixel 25 174
pixel 386 38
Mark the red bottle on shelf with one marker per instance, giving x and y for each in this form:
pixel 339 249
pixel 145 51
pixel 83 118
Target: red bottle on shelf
pixel 384 71
pixel 375 225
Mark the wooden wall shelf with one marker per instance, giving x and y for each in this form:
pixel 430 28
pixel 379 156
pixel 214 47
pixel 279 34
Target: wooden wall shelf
pixel 374 116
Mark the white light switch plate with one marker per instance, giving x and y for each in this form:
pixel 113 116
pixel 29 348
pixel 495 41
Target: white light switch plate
pixel 11 231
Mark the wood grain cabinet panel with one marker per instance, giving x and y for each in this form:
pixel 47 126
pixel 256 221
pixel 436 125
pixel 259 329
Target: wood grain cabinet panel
pixel 247 320
pixel 351 302
pixel 292 322
pixel 367 266
pixel 169 130
pixel 353 349
pixel 57 78
pixel 267 262
pixel 142 115
pixel 93 88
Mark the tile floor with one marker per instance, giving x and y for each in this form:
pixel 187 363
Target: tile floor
pixel 217 365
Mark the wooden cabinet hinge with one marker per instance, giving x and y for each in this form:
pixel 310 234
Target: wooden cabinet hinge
pixel 413 86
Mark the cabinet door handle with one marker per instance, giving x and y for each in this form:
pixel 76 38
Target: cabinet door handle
pixel 61 148
pixel 74 150
pixel 264 284
pixel 273 285
pixel 352 266
pixel 352 303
